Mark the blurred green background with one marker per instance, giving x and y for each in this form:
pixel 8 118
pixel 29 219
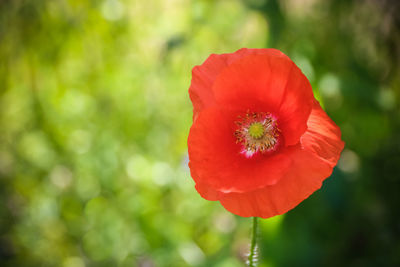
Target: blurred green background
pixel 94 117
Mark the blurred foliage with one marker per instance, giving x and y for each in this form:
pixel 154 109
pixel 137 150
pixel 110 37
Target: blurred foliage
pixel 94 116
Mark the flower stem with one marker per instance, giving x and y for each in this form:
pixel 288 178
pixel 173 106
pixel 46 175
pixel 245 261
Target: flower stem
pixel 252 260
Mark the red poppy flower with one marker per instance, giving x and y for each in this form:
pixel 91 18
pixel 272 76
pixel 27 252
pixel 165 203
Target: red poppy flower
pixel 260 143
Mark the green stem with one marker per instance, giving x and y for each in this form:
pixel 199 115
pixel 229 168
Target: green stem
pixel 252 261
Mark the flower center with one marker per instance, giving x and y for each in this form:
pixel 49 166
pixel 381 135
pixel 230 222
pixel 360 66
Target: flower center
pixel 257 132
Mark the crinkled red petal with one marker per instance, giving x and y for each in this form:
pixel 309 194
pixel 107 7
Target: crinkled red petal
pixel 322 136
pixel 268 83
pixel 204 75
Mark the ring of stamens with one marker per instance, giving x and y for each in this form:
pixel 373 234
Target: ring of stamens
pixel 257 132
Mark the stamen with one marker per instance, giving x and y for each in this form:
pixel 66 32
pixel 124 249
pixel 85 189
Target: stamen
pixel 257 132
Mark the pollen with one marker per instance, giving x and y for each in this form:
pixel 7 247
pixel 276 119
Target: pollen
pixel 257 132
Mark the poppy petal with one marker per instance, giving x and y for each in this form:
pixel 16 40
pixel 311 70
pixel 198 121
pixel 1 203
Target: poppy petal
pixel 207 192
pixel 269 84
pixel 322 136
pixel 285 195
pixel 204 75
